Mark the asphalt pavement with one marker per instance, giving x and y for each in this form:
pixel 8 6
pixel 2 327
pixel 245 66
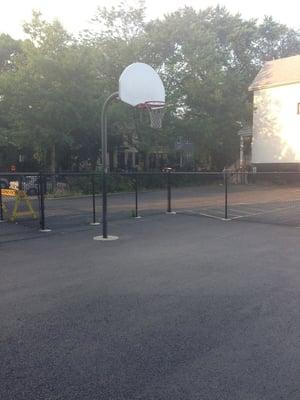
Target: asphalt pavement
pixel 180 307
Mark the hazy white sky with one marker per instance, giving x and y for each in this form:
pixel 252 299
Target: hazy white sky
pixel 75 14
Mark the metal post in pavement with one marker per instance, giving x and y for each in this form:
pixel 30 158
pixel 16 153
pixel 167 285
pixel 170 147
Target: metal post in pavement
pixel 169 193
pixel 105 169
pixel 1 205
pixel 94 202
pixel 42 185
pixel 226 194
pixel 136 184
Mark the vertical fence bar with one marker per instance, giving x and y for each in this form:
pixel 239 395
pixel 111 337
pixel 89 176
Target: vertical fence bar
pixel 94 202
pixel 104 204
pixel 21 182
pixel 169 193
pixel 136 183
pixel 42 203
pixel 136 198
pixel 226 194
pixel 42 188
pixel 169 209
pixel 1 205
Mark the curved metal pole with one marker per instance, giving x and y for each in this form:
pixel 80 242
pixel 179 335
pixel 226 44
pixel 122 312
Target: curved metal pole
pixel 104 161
pixel 104 128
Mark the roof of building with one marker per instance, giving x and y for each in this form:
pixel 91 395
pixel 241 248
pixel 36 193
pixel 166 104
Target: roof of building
pixel 283 71
pixel 245 131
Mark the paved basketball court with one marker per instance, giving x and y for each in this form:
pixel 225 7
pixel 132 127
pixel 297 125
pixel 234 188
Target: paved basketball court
pixel 178 308
pixel 276 213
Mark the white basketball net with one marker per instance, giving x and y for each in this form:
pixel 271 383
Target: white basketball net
pixel 156 112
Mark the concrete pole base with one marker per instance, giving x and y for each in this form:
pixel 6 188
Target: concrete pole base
pixel 108 239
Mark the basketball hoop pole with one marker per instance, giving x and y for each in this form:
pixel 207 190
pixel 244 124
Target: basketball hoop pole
pixel 139 84
pixel 104 161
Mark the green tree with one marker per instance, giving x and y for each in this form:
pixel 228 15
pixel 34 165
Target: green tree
pixel 52 85
pixel 275 40
pixel 52 94
pixel 208 59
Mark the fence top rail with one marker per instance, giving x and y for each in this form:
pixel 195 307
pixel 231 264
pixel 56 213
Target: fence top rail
pixel 163 173
pixel 66 173
pixel 263 172
pixel 3 174
pixel 148 173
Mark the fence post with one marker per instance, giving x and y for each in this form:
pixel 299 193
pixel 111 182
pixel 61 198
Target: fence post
pixel 21 183
pixel 169 192
pixel 226 193
pixel 136 185
pixel 94 202
pixel 1 205
pixel 104 204
pixel 42 185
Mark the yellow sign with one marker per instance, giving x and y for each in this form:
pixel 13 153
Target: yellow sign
pixel 9 192
pixel 20 197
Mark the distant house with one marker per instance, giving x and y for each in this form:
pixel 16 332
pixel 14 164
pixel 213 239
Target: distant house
pixel 276 115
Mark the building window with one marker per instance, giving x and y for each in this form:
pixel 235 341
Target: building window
pixel 298 108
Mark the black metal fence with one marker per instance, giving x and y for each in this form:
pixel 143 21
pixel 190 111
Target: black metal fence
pixel 68 199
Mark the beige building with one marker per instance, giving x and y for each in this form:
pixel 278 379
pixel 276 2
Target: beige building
pixel 276 113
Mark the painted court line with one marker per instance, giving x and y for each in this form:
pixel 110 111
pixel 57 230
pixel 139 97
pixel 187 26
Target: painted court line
pixel 218 217
pixel 213 211
pixel 242 213
pixel 200 213
pixel 266 212
pixel 235 211
pixel 232 212
pixel 251 209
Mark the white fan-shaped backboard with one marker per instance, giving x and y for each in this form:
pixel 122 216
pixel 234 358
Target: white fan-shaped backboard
pixel 139 83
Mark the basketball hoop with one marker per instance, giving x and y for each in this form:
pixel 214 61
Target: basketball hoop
pixel 156 111
pixel 141 87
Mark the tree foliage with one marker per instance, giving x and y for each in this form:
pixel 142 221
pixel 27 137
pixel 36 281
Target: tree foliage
pixel 52 84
